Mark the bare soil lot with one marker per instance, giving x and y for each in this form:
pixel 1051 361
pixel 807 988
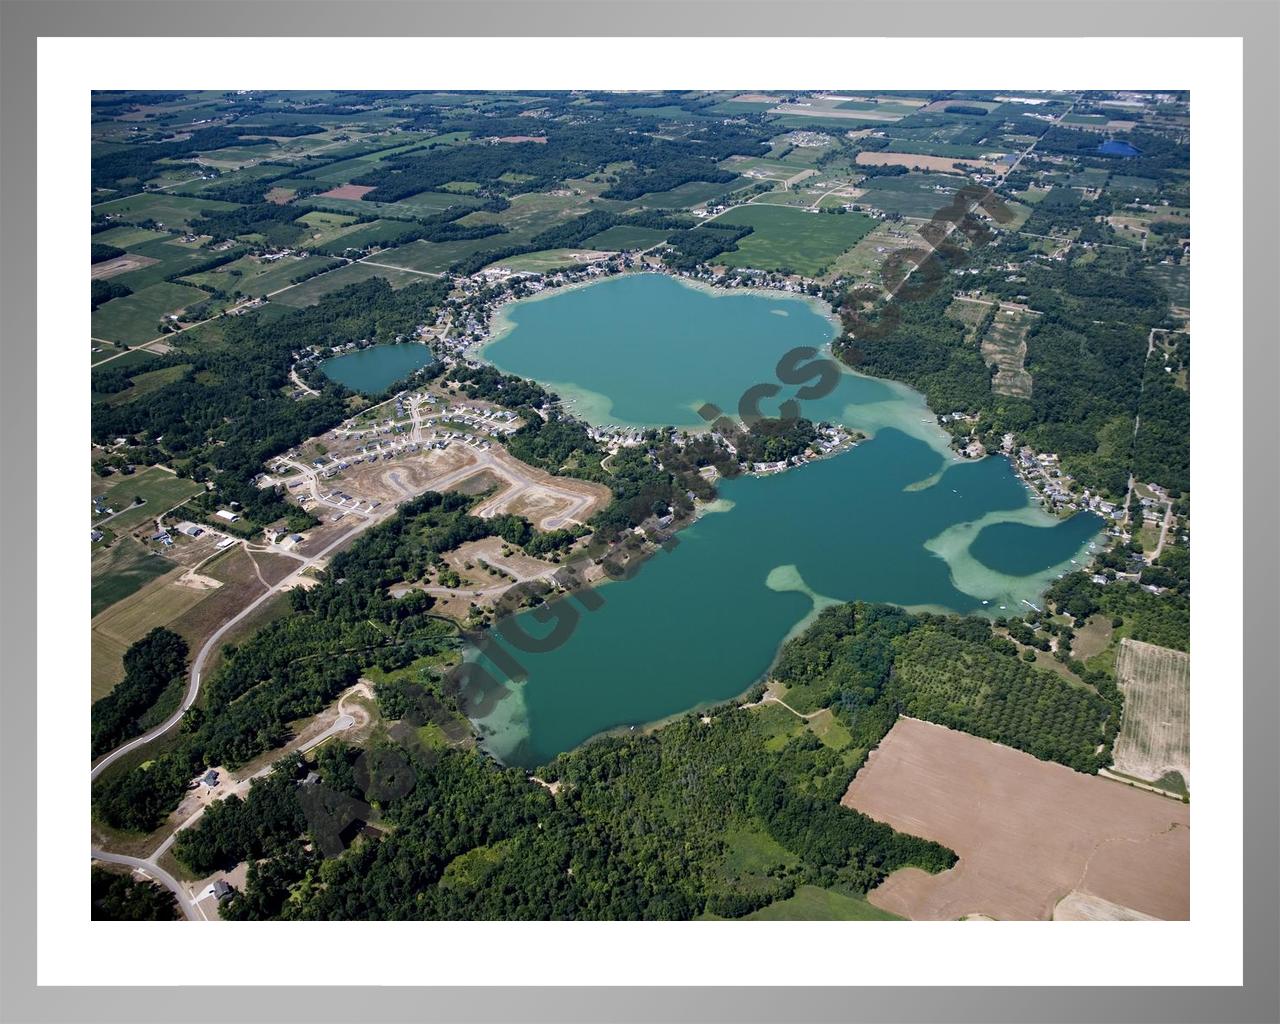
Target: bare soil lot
pixel 1028 832
pixel 942 164
pixel 120 265
pixel 347 192
pixel 1155 734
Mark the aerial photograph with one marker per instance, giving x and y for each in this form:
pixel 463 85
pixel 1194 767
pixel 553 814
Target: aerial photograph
pixel 640 505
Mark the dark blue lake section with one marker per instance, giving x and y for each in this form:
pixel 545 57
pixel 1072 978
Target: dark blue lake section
pixel 373 370
pixel 1018 550
pixel 1114 147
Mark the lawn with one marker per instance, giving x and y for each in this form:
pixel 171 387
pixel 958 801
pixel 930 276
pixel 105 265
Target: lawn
pixel 784 238
pixel 813 904
pixel 135 318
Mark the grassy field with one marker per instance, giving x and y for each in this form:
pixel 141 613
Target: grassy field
pixel 172 257
pixel 912 195
pixel 626 237
pixel 120 570
pixel 549 259
pixel 158 489
pixel 813 904
pixel 531 213
pixel 781 238
pixel 1176 280
pixel 253 277
pixel 130 619
pixel 171 211
pixel 144 384
pixel 310 292
pixel 436 257
pixel 125 236
pixel 691 193
pixel 360 236
pixel 135 318
pixel 866 259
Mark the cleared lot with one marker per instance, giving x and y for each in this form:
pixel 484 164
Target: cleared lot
pixel 1155 734
pixel 1029 833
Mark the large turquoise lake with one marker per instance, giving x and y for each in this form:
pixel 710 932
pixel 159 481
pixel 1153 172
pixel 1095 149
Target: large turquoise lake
pixel 898 518
pixel 373 370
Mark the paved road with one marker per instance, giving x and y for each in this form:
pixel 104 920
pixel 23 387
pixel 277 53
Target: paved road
pixel 210 645
pixel 149 866
pixel 185 902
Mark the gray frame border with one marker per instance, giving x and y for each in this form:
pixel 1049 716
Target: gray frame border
pixel 1256 21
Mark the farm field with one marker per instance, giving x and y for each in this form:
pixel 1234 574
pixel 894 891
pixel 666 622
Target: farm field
pixel 170 211
pixel 308 293
pixel 988 803
pixel 531 213
pixel 119 570
pixel 912 195
pixel 361 236
pixel 437 257
pixel 805 243
pixel 866 259
pixel 549 259
pixel 1005 345
pixel 1155 733
pixel 254 277
pixel 135 318
pixel 127 236
pixel 127 621
pixel 626 237
pixel 159 490
pixel 921 162
pixel 691 193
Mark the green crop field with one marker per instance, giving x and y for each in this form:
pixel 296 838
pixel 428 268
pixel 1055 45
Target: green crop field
pixel 811 903
pixel 361 236
pixel 134 318
pixel 803 242
pixel 171 211
pixel 912 195
pixel 626 237
pixel 310 292
pixel 171 256
pixel 120 570
pixel 691 193
pixel 125 236
pixel 159 490
pixel 548 259
pixel 249 276
pixel 436 257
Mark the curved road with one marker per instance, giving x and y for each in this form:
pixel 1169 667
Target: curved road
pixel 150 867
pixel 197 664
pixel 158 874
